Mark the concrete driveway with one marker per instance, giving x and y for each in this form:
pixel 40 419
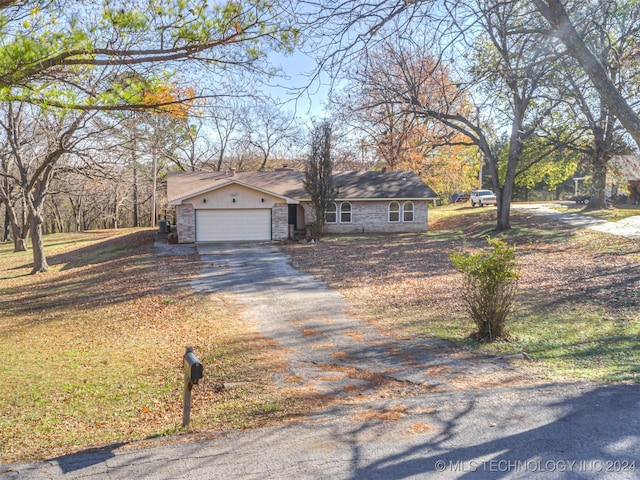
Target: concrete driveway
pixel 403 409
pixel 312 323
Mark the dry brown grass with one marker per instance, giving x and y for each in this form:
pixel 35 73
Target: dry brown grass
pixel 92 349
pixel 388 414
pixel 576 310
pixel 418 428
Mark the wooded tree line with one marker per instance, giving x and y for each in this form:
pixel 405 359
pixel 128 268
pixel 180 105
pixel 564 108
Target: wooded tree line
pixel 108 162
pixel 94 100
pixel 98 102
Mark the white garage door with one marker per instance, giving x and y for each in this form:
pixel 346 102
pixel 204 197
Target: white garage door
pixel 233 225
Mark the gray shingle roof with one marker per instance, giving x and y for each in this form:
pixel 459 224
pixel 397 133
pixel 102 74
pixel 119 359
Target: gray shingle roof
pixel 352 185
pixel 380 185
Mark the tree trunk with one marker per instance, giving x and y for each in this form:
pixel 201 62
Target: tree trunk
pixel 115 216
pixel 154 186
pixel 6 226
pixel 19 234
pixel 220 160
pixel 59 222
pixel 39 259
pixel 265 158
pixel 19 245
pixel 503 199
pixel 599 185
pixel 136 220
pixel 555 13
pixel 504 194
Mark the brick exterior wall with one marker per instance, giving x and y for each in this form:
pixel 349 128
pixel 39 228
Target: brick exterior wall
pixel 279 221
pixel 366 217
pixel 186 223
pixel 309 213
pixel 373 217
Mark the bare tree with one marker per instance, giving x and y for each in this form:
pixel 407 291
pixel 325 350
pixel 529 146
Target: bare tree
pixel 318 174
pixel 372 105
pixel 16 218
pixel 611 31
pixel 497 86
pixel 226 119
pixel 584 124
pixel 190 150
pixel 266 127
pixel 36 163
pixel 380 122
pixel 13 177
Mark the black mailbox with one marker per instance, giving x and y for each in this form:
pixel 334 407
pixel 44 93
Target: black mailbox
pixel 192 366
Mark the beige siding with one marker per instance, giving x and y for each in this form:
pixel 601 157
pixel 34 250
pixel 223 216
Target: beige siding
pixel 228 199
pixel 224 198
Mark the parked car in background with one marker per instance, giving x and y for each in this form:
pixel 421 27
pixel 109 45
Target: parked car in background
pixel 580 198
pixel 482 198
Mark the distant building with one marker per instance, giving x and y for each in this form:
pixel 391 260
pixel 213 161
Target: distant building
pixel 624 177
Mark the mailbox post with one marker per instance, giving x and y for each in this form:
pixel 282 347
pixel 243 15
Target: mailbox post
pixel 192 373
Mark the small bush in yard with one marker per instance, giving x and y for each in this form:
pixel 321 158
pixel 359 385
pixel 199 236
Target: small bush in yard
pixel 490 284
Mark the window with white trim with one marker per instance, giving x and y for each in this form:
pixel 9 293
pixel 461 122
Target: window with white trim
pixel 345 212
pixel 331 213
pixel 407 212
pixel 394 212
pixel 401 212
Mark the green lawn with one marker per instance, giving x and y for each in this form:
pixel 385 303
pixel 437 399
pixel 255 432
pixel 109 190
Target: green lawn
pixel 92 349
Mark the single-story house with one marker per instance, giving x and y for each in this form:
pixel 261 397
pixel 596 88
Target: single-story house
pixel 248 206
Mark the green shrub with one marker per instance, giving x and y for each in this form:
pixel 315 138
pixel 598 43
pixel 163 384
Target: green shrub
pixel 490 283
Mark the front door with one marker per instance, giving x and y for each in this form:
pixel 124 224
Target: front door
pixel 293 216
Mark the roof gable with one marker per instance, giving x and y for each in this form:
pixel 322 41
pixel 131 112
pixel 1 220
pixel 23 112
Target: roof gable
pixel 184 185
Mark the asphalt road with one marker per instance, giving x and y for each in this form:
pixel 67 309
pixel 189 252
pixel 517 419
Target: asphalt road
pixel 433 427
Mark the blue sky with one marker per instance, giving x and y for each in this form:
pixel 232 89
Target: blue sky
pixel 312 93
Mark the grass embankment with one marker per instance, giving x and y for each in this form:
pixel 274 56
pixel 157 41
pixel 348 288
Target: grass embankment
pixel 576 312
pixel 92 350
